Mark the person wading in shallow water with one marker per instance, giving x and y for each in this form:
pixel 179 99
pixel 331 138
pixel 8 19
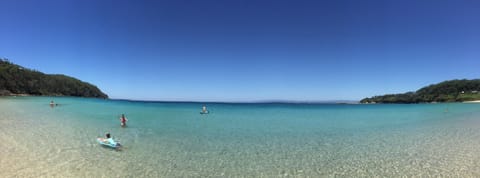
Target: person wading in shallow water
pixel 123 120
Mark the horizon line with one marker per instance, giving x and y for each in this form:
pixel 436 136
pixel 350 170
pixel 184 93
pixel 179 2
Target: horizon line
pixel 244 102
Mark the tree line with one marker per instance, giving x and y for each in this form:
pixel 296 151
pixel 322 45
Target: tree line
pixel 15 79
pixel 447 91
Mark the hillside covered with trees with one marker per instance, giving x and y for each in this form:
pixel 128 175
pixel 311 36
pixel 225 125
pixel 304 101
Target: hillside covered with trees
pixel 15 79
pixel 447 91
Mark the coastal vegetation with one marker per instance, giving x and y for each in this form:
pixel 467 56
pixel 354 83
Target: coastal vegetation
pixel 447 91
pixel 15 79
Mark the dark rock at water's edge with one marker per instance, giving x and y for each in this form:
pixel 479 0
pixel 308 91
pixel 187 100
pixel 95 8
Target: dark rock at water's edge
pixel 447 91
pixel 15 80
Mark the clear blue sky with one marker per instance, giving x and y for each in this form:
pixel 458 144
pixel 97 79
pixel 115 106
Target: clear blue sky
pixel 246 50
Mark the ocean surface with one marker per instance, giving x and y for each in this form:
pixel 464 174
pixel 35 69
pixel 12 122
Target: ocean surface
pixel 167 139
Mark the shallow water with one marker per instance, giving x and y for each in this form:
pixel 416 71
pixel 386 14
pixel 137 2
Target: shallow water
pixel 237 140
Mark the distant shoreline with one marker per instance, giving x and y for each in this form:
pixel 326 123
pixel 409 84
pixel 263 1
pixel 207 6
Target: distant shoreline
pixel 475 101
pixel 240 102
pixel 23 94
pixel 206 102
pixel 19 95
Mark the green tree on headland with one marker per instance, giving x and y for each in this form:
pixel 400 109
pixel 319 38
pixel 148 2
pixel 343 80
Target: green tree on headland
pixel 447 91
pixel 15 79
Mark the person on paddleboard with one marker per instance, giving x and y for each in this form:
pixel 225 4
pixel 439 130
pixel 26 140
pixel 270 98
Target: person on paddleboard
pixel 204 110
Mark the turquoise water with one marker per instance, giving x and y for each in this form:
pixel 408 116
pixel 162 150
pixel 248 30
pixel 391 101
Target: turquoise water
pixel 237 140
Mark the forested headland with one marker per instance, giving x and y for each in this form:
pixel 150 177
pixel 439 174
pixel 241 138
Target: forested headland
pixel 447 91
pixel 15 79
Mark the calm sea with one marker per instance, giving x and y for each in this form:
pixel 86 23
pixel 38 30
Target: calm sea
pixel 168 139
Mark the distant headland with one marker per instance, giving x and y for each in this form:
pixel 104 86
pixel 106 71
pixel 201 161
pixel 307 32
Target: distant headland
pixel 17 80
pixel 447 91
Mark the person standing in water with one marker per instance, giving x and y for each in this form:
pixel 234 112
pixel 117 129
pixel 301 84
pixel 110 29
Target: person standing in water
pixel 123 120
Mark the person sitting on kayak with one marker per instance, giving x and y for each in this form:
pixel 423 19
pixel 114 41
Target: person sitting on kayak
pixel 123 120
pixel 108 139
pixel 110 142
